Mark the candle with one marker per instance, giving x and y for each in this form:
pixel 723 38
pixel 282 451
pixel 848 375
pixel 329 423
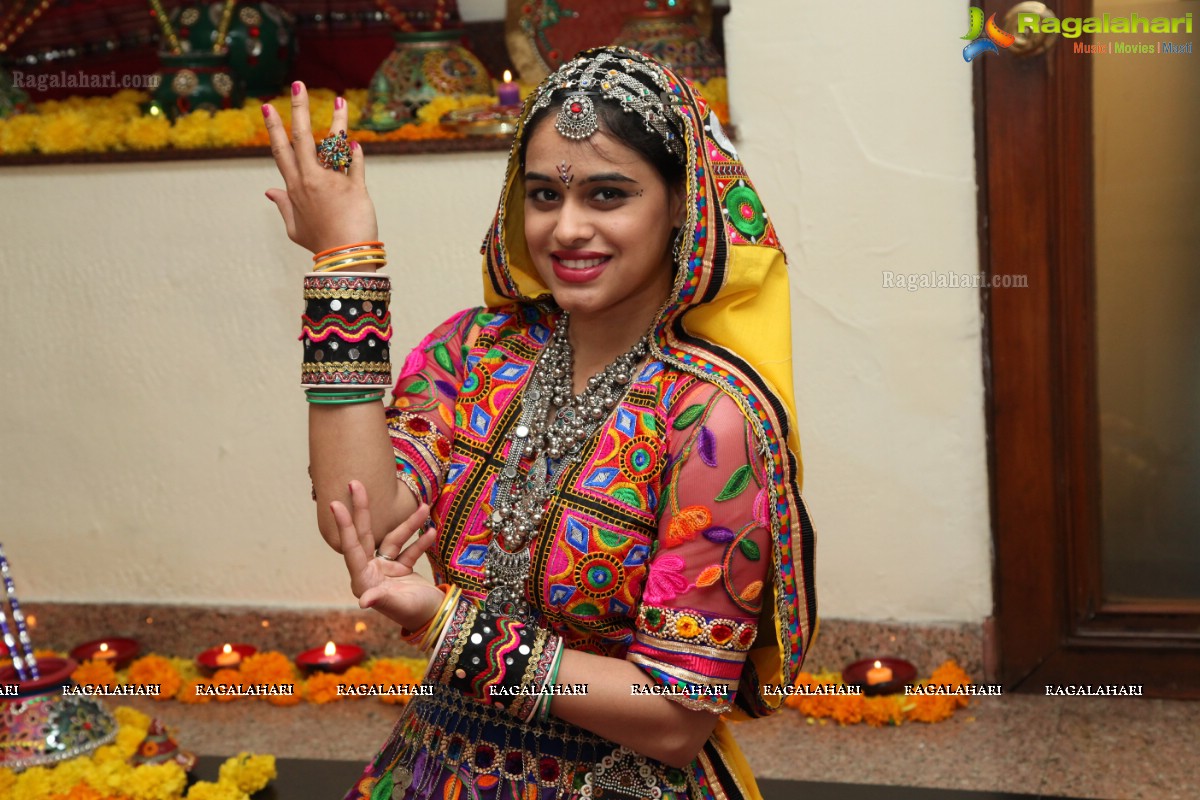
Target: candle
pixel 104 654
pixel 878 674
pixel 331 658
pixel 509 92
pixel 228 657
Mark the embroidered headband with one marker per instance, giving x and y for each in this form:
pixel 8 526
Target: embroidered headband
pixel 617 74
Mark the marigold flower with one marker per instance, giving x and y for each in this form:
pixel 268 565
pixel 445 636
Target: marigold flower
pixel 157 670
pixel 248 772
pixel 94 673
pixel 205 790
pixel 321 687
pixel 190 693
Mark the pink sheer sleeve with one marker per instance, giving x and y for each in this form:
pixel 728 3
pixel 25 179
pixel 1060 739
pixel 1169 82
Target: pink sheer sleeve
pixel 421 417
pixel 699 610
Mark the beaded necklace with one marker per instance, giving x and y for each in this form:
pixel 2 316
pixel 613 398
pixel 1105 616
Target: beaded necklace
pixel 552 429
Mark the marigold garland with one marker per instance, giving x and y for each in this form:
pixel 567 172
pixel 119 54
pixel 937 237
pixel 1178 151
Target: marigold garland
pixel 180 679
pixel 107 774
pixel 895 709
pixel 116 123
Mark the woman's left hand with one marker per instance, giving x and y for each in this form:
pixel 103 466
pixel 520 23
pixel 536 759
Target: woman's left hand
pixel 389 585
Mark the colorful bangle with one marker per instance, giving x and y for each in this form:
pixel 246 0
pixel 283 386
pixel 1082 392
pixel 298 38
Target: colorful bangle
pixel 423 636
pixel 342 400
pixel 346 328
pixel 495 659
pixel 363 256
pixel 345 249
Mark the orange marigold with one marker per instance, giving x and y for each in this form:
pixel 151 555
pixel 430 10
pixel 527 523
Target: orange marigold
pixel 847 709
pixel 268 667
pixel 158 670
pixel 932 707
pixel 321 687
pixel 227 677
pixel 95 673
pixel 952 675
pixel 879 711
pixel 393 672
pixel 189 693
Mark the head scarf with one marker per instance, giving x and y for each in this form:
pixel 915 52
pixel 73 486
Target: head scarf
pixel 727 321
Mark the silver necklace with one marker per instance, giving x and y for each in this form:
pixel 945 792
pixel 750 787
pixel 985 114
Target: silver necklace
pixel 554 425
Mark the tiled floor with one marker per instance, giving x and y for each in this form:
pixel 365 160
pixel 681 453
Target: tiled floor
pixel 1109 748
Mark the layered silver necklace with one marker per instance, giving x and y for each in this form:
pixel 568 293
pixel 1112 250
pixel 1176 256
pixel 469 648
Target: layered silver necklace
pixel 553 427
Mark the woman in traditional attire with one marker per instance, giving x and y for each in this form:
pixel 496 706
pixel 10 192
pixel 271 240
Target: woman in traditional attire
pixel 600 461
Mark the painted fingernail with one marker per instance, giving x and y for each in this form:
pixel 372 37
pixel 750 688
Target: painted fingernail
pixel 354 145
pixel 266 109
pixel 350 486
pixel 296 87
pixel 338 103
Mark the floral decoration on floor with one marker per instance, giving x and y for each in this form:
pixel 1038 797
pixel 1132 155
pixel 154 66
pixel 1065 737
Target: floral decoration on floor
pixel 107 774
pixel 893 709
pixel 180 679
pixel 117 124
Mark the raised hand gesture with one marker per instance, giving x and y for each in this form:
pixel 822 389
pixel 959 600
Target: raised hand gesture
pixel 321 208
pixel 382 576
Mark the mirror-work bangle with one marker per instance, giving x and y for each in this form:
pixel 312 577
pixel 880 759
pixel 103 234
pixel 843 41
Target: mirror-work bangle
pixel 346 329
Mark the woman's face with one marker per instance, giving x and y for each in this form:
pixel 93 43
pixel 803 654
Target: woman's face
pixel 600 239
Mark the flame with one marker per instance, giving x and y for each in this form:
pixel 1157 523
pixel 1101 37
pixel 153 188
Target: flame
pixel 508 76
pixel 878 665
pixel 104 647
pixel 228 648
pixel 330 649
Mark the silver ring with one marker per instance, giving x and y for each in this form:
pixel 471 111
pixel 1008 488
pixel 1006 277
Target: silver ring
pixel 385 558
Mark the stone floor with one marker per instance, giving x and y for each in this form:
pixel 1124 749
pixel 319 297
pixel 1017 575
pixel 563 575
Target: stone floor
pixel 1109 748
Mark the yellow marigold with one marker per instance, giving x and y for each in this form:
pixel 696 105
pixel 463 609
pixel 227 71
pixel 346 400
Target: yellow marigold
pixel 205 790
pixel 70 773
pixel 64 132
pixel 128 716
pixel 190 692
pixel 192 131
pixel 19 134
pixel 34 783
pixel 248 772
pixel 146 133
pixel 155 782
pixel 158 670
pixel 95 673
pixel 232 128
pixel 321 687
pixel 8 779
pixel 128 740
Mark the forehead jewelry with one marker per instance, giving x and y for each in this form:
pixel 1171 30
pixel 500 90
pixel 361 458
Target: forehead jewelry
pixel 334 153
pixel 564 174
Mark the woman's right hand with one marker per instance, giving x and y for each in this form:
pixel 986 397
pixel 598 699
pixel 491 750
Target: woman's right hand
pixel 322 209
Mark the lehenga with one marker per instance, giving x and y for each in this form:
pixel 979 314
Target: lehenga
pixel 676 540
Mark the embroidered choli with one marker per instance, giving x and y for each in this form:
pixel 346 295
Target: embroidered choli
pixel 654 547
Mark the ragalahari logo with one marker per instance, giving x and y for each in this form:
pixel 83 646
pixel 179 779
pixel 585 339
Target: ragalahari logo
pixel 994 37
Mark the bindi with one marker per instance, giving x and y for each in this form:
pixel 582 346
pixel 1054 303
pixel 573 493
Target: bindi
pixel 564 174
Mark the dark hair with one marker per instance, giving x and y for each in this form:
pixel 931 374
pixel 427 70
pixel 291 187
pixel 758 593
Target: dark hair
pixel 625 126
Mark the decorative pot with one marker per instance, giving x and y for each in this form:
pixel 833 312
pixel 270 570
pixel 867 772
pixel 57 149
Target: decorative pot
pixel 672 36
pixel 423 65
pixel 40 725
pixel 196 81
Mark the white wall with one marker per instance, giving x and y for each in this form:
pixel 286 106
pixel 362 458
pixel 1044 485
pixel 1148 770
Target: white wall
pixel 152 430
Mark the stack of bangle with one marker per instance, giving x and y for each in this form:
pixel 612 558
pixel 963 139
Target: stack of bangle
pixel 498 660
pixel 351 256
pixel 424 637
pixel 346 328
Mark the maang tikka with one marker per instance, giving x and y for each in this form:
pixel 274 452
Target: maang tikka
pixel 617 74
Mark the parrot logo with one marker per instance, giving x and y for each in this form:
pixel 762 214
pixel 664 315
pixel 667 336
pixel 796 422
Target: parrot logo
pixel 994 36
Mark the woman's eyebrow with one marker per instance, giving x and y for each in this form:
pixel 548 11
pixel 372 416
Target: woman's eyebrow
pixel 608 177
pixel 537 176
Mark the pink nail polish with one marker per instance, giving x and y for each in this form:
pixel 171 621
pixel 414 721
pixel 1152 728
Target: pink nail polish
pixel 266 109
pixel 296 88
pixel 338 103
pixel 354 145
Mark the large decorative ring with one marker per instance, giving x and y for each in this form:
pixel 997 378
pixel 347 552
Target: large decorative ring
pixel 385 558
pixel 334 152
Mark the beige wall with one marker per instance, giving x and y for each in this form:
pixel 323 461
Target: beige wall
pixel 154 437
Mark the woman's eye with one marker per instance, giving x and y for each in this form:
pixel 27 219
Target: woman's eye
pixel 543 195
pixel 606 195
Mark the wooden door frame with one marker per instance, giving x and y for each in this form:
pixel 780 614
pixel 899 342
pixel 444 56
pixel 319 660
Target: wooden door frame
pixel 1034 163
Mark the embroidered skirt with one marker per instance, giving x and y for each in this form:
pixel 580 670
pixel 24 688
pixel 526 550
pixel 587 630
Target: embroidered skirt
pixel 447 745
